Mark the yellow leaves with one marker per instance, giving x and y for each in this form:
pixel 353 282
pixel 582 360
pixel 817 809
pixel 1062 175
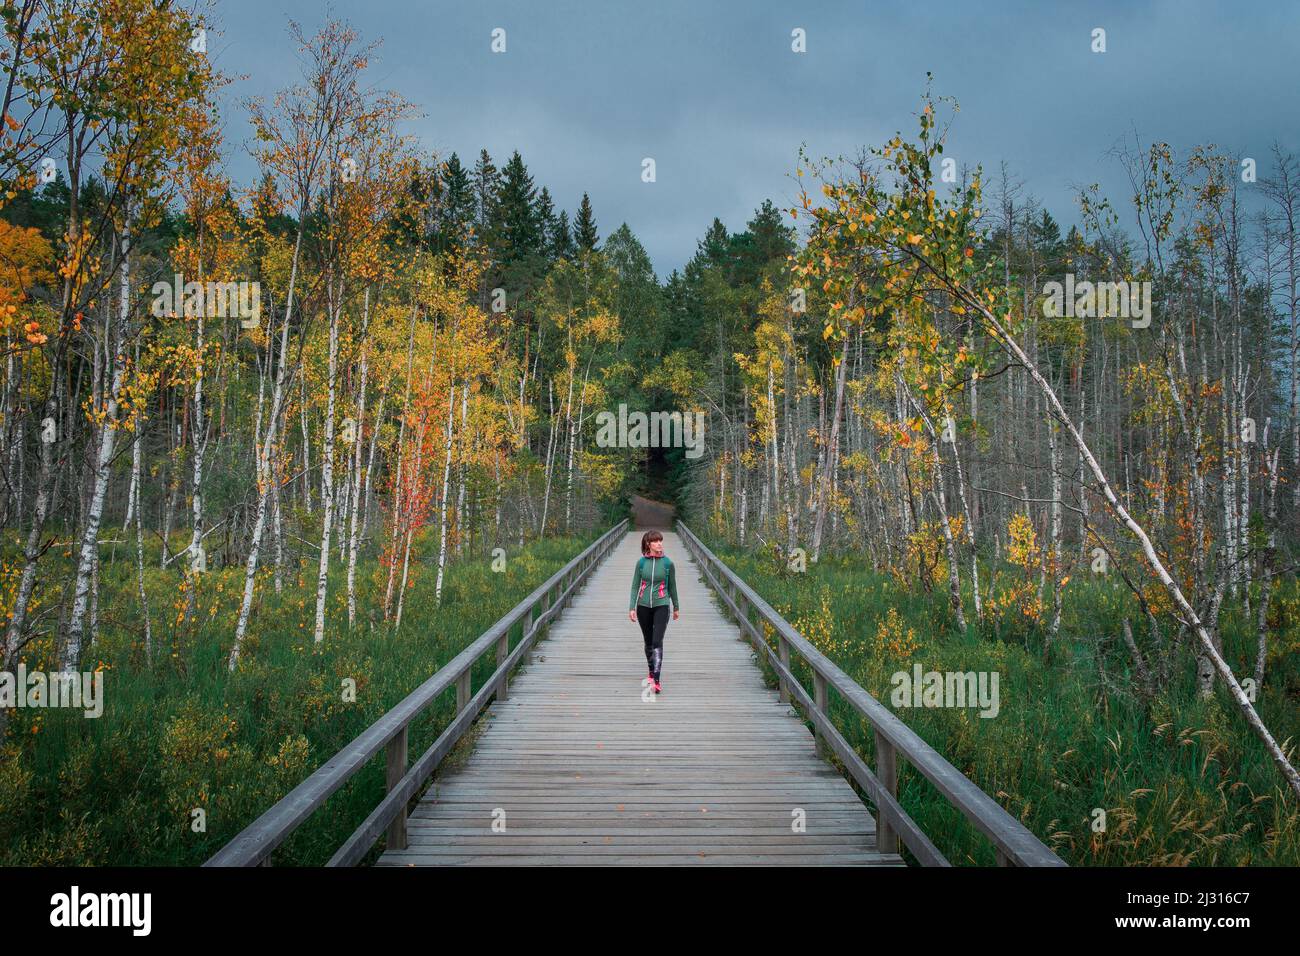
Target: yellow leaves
pixel 828 331
pixel 1022 546
pixel 894 639
pixel 914 239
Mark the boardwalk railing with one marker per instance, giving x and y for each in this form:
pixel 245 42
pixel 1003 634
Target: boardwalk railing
pixel 1013 843
pixel 255 844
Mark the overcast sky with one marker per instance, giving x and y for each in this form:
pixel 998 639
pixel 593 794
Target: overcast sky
pixel 713 92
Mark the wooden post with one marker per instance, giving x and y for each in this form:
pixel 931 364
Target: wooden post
pixel 463 689
pixel 1003 859
pixel 819 701
pixel 396 770
pixel 887 774
pixel 783 655
pixel 503 651
pixel 543 605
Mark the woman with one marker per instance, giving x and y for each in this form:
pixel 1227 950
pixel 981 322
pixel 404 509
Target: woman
pixel 654 581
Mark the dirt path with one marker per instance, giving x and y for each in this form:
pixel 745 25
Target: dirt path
pixel 652 514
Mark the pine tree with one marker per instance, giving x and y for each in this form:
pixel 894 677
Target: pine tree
pixel 713 249
pixel 486 183
pixel 455 200
pixel 516 226
pixel 638 299
pixel 562 238
pixel 584 227
pixel 546 220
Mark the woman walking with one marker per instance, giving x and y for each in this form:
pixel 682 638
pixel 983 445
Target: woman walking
pixel 654 581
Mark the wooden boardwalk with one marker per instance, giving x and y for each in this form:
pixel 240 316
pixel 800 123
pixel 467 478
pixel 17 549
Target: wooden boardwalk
pixel 579 766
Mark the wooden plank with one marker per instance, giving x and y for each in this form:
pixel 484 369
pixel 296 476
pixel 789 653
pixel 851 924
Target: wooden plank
pixel 254 844
pixel 1009 836
pixel 582 764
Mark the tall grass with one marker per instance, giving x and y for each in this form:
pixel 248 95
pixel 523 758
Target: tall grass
pixel 181 734
pixel 1181 781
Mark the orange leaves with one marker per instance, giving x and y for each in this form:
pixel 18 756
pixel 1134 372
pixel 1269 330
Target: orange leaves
pixel 1022 544
pixel 25 261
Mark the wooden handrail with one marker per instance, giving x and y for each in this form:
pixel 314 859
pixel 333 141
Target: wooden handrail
pixel 1013 843
pixel 254 845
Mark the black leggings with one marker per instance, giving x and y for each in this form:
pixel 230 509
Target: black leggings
pixel 653 621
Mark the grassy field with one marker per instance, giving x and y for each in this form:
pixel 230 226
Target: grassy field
pixel 183 734
pixel 1182 781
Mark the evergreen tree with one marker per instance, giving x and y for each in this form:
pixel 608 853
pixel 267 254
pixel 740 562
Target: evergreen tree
pixel 546 220
pixel 516 228
pixel 562 238
pixel 584 227
pixel 764 245
pixel 638 298
pixel 713 249
pixel 486 183
pixel 455 205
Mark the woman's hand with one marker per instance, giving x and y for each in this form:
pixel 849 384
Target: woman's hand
pixel 676 614
pixel 631 616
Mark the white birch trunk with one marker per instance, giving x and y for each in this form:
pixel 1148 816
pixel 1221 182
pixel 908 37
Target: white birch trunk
pixel 71 655
pixel 327 471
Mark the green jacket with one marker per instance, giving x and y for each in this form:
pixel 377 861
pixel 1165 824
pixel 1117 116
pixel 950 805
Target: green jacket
pixel 654 580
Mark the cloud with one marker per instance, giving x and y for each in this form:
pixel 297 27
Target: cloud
pixel 714 94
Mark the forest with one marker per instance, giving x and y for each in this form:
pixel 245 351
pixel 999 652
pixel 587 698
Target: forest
pixel 330 423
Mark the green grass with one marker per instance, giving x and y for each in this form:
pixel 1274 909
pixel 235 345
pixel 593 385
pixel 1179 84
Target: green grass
pixel 183 734
pixel 1182 781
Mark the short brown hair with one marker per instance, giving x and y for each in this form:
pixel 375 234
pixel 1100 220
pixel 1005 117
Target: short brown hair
pixel 648 538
